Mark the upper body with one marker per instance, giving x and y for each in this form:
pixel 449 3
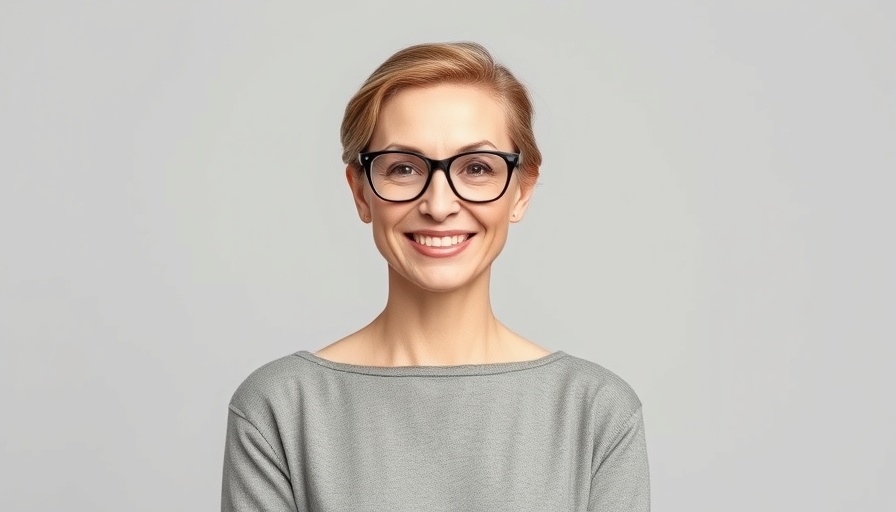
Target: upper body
pixel 557 433
pixel 440 160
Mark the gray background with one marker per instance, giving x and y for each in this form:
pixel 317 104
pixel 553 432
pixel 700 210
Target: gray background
pixel 714 223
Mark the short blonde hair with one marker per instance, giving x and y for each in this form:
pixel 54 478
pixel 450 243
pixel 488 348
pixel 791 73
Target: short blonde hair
pixel 437 63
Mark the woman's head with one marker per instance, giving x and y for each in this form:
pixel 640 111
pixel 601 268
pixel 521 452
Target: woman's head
pixel 446 103
pixel 434 64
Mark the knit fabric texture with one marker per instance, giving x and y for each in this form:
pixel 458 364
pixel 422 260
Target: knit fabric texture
pixel 558 433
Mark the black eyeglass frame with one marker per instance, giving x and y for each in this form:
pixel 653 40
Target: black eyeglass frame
pixel 366 158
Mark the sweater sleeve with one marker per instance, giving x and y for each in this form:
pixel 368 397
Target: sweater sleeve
pixel 255 479
pixel 622 480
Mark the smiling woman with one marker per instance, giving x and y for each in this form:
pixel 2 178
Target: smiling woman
pixel 435 404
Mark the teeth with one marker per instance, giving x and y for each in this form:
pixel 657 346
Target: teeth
pixel 445 241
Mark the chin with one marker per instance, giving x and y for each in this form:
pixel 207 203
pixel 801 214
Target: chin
pixel 440 287
pixel 440 282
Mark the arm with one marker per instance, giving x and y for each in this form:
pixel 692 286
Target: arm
pixel 622 480
pixel 255 479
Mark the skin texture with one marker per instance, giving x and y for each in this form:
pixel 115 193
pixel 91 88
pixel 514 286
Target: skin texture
pixel 438 310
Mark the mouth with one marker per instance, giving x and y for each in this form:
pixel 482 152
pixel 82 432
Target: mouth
pixel 435 241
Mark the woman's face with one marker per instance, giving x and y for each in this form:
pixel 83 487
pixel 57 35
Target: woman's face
pixel 439 122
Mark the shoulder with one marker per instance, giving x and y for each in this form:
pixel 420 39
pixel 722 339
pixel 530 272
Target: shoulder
pixel 606 391
pixel 272 387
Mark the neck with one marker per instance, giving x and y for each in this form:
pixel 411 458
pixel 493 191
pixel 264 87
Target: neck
pixel 424 328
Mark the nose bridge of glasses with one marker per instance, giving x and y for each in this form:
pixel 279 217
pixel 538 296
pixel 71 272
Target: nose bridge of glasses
pixel 435 165
pixel 445 186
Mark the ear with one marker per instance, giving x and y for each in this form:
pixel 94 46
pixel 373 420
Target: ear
pixel 521 197
pixel 355 178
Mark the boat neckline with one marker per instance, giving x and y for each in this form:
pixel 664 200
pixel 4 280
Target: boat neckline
pixel 433 371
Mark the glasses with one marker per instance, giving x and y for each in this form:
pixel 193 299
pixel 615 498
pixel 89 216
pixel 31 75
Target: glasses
pixel 474 176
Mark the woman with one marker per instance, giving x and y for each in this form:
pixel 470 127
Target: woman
pixel 436 405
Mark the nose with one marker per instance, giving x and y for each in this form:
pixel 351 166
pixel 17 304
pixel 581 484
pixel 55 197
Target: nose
pixel 439 201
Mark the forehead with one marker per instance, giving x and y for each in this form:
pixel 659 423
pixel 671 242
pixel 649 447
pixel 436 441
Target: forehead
pixel 439 119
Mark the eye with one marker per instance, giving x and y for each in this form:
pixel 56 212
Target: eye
pixel 477 169
pixel 404 170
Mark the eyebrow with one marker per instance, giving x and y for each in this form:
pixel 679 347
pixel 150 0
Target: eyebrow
pixel 469 147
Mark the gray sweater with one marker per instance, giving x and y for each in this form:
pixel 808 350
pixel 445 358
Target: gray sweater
pixel 558 433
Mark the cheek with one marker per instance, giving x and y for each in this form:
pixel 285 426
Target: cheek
pixel 385 219
pixel 382 241
pixel 500 214
pixel 497 220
